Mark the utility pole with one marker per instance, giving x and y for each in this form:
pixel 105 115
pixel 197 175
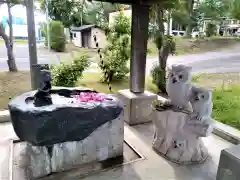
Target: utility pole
pixel 48 26
pixel 32 42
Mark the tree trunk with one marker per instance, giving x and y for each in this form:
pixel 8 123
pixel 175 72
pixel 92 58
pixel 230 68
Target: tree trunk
pixel 168 23
pixel 9 42
pixel 10 25
pixel 190 4
pixel 163 54
pixel 160 19
pixel 161 29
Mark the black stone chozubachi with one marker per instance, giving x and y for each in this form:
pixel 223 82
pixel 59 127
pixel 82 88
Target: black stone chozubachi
pixel 61 122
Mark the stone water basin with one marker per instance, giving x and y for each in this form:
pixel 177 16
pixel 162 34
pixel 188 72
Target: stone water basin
pixel 65 134
pixel 64 120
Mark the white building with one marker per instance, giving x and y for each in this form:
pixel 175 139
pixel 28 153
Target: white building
pixel 84 36
pixel 20 21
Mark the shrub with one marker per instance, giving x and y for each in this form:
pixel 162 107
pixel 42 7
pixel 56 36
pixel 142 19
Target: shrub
pixel 57 36
pixel 115 58
pixel 158 77
pixel 68 74
pixel 210 30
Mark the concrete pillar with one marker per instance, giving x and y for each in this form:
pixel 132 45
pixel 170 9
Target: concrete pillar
pixel 140 20
pixel 138 102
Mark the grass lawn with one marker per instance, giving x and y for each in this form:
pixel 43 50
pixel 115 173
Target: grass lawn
pixel 191 46
pixel 226 90
pixel 13 84
pixel 226 96
pixel 92 80
pixel 16 41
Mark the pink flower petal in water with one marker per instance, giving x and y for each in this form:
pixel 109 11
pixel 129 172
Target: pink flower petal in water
pixel 89 96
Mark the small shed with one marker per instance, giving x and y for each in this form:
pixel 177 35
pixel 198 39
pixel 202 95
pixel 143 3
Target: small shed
pixel 83 36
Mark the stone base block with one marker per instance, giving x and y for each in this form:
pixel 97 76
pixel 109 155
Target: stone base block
pixel 176 142
pixel 137 107
pixel 228 168
pixel 30 162
pixel 105 142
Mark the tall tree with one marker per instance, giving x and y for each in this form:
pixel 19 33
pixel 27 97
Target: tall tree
pixel 79 12
pixel 235 9
pixel 9 39
pixel 214 9
pixel 61 10
pixel 189 4
pixel 165 44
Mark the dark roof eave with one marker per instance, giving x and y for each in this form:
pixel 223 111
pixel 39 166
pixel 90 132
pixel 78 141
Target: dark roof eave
pixel 144 2
pixel 83 28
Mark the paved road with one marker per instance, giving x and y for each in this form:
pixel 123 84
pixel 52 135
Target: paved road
pixel 22 58
pixel 211 62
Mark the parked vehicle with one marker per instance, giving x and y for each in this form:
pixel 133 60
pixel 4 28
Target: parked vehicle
pixel 178 33
pixel 197 34
pixel 237 33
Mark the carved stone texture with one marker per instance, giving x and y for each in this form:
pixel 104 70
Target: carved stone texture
pixel 30 161
pixel 228 168
pixel 104 143
pixel 137 106
pixel 178 138
pixel 35 161
pixel 62 121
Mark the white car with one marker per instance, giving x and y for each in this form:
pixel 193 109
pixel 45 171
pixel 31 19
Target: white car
pixel 195 34
pixel 178 33
pixel 237 33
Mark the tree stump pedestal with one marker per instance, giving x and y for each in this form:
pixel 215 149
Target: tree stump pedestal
pixel 177 137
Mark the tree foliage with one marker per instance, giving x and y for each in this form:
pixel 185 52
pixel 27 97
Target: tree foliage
pixel 78 12
pixel 235 9
pixel 61 10
pixel 116 55
pixel 214 9
pixel 58 41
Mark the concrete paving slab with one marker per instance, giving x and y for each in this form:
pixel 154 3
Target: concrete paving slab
pixel 155 167
pixel 5 154
pixel 7 131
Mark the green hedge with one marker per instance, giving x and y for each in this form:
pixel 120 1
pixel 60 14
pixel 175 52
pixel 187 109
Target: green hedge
pixel 57 36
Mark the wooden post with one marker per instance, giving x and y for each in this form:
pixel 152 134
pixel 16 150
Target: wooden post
pixel 140 20
pixel 32 42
